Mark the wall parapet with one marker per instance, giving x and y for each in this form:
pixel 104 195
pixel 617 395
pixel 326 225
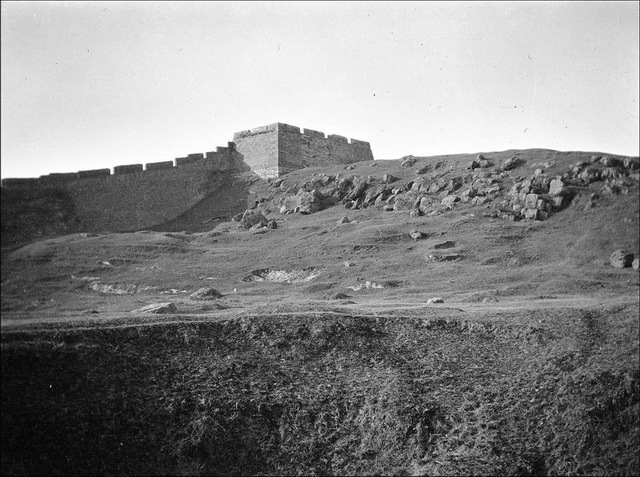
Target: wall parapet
pixel 224 159
pixel 270 155
pixel 128 169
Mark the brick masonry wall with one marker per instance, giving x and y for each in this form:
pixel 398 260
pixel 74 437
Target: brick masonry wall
pixel 311 148
pixel 258 148
pixel 133 198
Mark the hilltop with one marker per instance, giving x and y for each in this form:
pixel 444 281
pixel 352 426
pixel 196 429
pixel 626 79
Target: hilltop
pixel 326 351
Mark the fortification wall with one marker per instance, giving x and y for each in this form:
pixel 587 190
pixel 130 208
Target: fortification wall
pixel 137 196
pixel 279 148
pixel 258 148
pixel 133 197
pixel 309 148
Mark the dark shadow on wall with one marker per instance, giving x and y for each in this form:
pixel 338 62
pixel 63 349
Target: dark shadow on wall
pixel 32 214
pixel 229 197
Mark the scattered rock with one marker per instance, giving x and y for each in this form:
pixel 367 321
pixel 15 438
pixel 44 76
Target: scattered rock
pixel 490 299
pixel 474 165
pixel 367 285
pixel 511 163
pixel 434 300
pixel 158 309
pixel 117 288
pixel 415 234
pixel 621 259
pixel 339 296
pixel 444 258
pixel 556 187
pixel 449 200
pixel 205 294
pixel 283 276
pixel 407 161
pixel 251 218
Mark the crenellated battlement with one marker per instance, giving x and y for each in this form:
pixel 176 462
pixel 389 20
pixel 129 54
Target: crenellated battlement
pixel 134 196
pixel 222 158
pixel 279 148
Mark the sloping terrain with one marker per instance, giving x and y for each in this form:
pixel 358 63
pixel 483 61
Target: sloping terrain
pixel 327 353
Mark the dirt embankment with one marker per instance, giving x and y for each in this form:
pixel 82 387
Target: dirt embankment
pixel 544 393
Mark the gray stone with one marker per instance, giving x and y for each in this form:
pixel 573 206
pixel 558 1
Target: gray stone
pixel 157 309
pixel 415 234
pixel 556 187
pixel 511 163
pixel 621 259
pixel 251 218
pixel 449 200
pixel 206 293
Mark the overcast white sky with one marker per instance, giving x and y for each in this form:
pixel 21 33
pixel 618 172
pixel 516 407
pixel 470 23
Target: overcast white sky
pixel 89 85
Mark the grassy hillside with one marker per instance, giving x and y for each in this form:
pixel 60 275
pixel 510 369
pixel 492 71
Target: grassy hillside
pixel 325 355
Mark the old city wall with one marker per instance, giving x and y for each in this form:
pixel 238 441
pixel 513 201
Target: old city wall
pixel 259 149
pixel 280 148
pixel 309 148
pixel 136 197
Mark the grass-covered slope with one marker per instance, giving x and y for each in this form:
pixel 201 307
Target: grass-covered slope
pixel 529 367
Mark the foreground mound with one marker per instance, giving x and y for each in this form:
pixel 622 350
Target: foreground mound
pixel 515 393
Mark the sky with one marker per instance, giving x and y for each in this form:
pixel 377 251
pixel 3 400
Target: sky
pixel 91 85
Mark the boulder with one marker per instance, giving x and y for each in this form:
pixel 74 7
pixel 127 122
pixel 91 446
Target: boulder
pixel 635 264
pixel 343 220
pixel 608 161
pixel 556 187
pixel 157 308
pixel 511 163
pixel 206 293
pixel 621 259
pixel 632 163
pixel 252 217
pixel 449 200
pixel 272 224
pixel 404 202
pixel 358 185
pixel 310 202
pixel 415 234
pixel 434 300
pixel 388 178
pixel 407 161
